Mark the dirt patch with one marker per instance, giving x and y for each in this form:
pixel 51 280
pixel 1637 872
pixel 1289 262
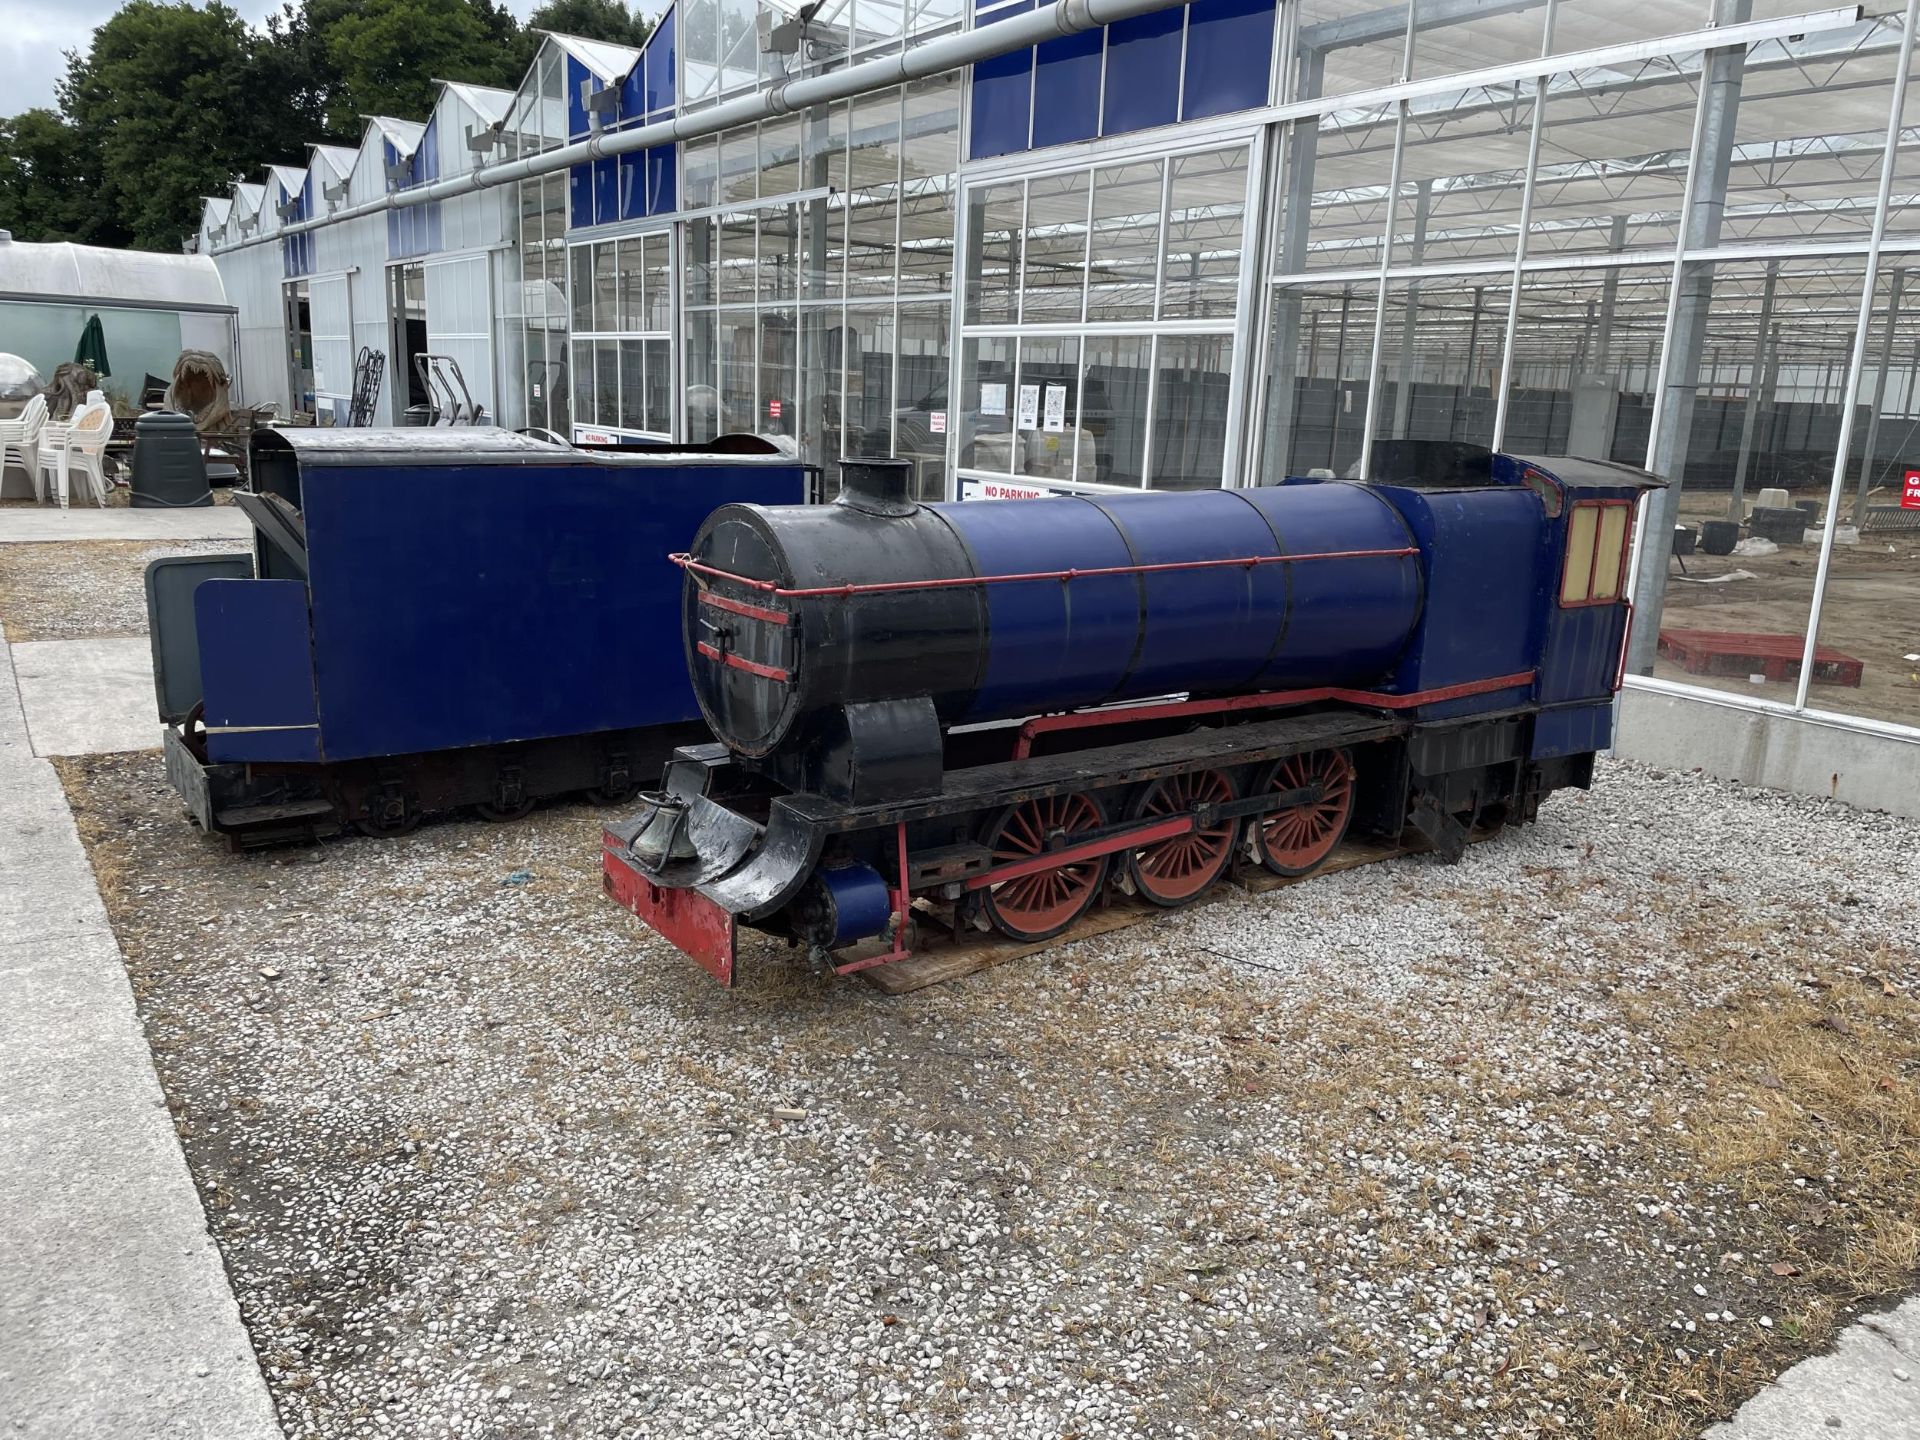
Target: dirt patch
pixel 68 590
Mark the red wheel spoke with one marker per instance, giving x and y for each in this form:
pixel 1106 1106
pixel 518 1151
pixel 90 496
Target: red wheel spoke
pixel 1295 840
pixel 1044 902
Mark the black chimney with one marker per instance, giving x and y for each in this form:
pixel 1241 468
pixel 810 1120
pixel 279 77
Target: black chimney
pixel 877 487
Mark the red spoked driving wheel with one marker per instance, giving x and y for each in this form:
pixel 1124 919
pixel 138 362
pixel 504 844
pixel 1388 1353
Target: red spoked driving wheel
pixel 1297 839
pixel 1178 869
pixel 1042 902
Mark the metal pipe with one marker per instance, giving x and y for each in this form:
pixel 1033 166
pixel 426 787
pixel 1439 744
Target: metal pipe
pixel 1736 504
pixel 1857 360
pixel 1879 402
pixel 935 57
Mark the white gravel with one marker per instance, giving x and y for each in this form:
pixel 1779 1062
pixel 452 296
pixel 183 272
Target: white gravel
pixel 1393 1152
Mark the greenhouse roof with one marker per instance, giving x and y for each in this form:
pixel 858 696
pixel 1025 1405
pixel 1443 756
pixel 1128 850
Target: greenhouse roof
pixel 88 274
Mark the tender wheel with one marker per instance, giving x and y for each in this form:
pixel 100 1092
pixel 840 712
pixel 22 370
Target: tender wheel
pixel 1179 869
pixel 613 794
pixel 388 827
pixel 1041 904
pixel 504 814
pixel 1298 839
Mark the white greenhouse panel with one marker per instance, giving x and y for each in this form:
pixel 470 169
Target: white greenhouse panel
pixel 460 321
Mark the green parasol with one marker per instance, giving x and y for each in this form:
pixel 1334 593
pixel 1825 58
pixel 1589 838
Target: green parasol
pixel 92 349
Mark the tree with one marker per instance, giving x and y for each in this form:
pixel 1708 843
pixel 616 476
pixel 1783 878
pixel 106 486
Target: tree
pixel 172 97
pixel 49 182
pixel 591 20
pixel 388 53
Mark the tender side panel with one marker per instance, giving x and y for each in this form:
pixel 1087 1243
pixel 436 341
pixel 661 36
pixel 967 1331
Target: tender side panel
pixel 458 605
pixel 256 670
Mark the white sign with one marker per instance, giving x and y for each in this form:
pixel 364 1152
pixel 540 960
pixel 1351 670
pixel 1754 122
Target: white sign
pixel 937 421
pixel 1029 416
pixel 1000 490
pixel 1056 408
pixel 593 437
pixel 993 398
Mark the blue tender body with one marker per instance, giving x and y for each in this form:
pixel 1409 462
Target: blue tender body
pixel 513 592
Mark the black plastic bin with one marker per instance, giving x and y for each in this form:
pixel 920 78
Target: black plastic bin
pixel 1718 537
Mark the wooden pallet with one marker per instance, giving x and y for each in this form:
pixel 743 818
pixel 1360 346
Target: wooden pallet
pixel 1743 653
pixel 944 955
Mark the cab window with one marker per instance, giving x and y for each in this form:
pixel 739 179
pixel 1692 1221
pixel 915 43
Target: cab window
pixel 1597 534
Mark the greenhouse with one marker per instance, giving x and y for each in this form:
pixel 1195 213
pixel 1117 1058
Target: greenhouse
pixel 1208 244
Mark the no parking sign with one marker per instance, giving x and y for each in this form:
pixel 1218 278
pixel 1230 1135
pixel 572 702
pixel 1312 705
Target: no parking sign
pixel 1910 491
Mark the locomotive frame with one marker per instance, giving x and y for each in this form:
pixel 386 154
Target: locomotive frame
pixel 1027 822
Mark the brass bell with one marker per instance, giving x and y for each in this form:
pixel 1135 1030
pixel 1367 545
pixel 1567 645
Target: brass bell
pixel 662 836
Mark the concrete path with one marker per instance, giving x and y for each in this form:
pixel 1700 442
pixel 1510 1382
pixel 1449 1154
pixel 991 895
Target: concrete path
pixel 87 697
pixel 1867 1388
pixel 33 523
pixel 116 1319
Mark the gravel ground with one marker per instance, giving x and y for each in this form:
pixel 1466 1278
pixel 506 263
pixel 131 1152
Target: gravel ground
pixel 64 590
pixel 1535 1144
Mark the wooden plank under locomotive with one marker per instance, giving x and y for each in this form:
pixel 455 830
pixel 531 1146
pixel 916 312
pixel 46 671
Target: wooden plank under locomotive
pixel 1442 643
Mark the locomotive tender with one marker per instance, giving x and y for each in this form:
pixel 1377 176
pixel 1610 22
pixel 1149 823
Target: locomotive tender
pixel 995 710
pixel 433 618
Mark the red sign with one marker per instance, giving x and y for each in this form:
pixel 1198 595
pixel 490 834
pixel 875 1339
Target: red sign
pixel 773 409
pixel 1910 491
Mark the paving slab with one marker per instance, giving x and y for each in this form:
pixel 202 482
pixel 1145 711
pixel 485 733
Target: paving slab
pixel 116 1319
pixel 1867 1387
pixel 87 697
pixel 27 523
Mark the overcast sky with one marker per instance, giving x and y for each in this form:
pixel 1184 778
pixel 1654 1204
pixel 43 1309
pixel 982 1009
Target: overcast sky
pixel 33 33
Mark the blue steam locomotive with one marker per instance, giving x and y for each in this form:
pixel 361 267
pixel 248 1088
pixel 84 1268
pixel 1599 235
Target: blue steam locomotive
pixel 993 711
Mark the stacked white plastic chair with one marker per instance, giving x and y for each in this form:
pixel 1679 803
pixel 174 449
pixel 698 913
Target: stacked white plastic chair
pixel 20 439
pixel 78 443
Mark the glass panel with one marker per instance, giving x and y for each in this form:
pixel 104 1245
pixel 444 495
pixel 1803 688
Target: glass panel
pixel 738 45
pixel 633 405
pixel 867 355
pixel 1114 408
pixel 582 376
pixel 1194 376
pixel 824 247
pixel 703 398
pixel 631 281
pixel 779 388
pixel 1333 203
pixel 606 382
pixel 659 385
pixel 994 224
pixel 658 314
pixel 779 252
pixel 1613 157
pixel 1871 611
pixel 874 157
pixel 930 142
pixel 1322 347
pixel 1472 36
pixel 986 409
pixel 926 237
pixel 1046 430
pixel 736 375
pixel 1576 578
pixel 739 166
pixel 606 288
pixel 699 237
pixel 1122 277
pixel 1347 45
pixel 1586 355
pixel 1056 246
pixel 1766 346
pixel 1450 335
pixel 780 156
pixel 583 287
pixel 560 387
pixel 1809 134
pixel 872 245
pixel 1587 24
pixel 737 279
pixel 1463 175
pixel 1206 203
pixel 921 420
pixel 700 173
